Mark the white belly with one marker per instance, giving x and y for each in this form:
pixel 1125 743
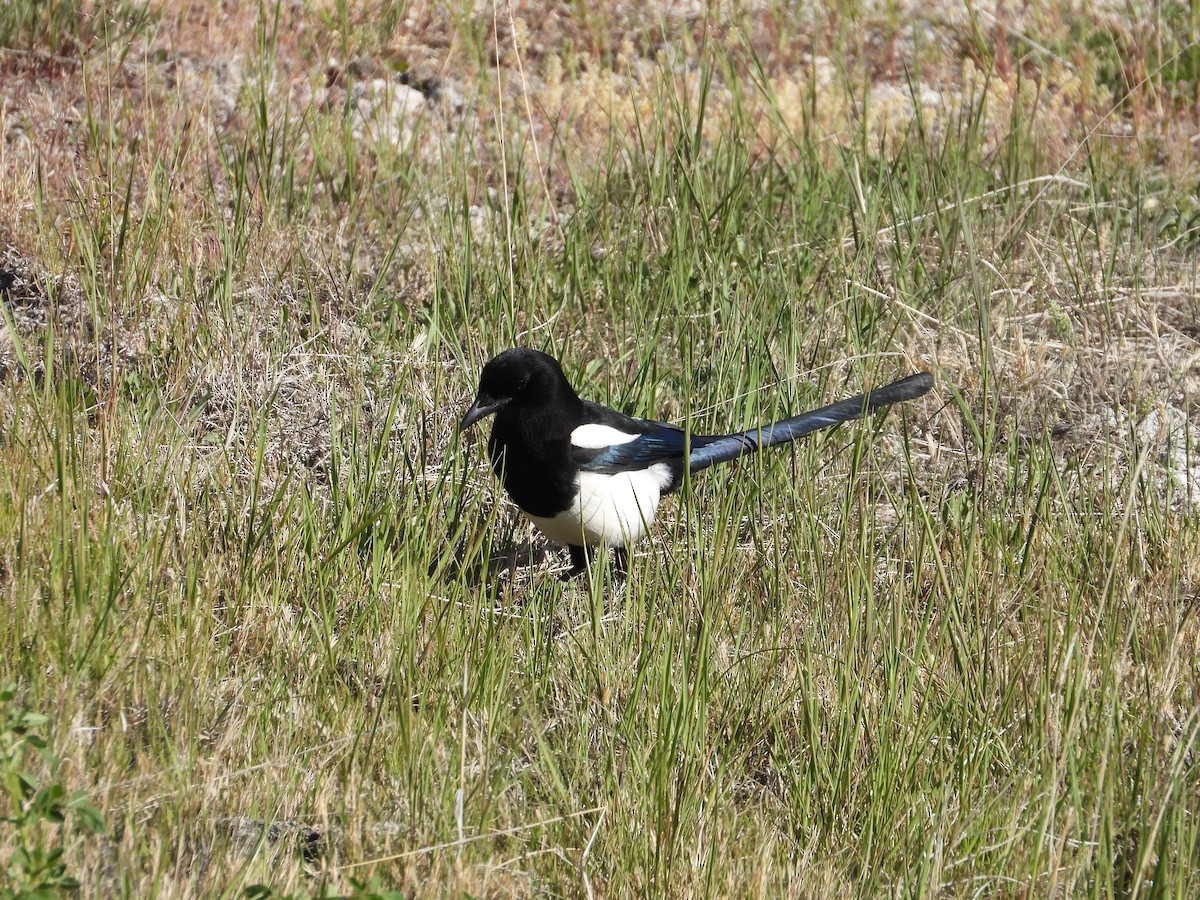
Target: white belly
pixel 608 509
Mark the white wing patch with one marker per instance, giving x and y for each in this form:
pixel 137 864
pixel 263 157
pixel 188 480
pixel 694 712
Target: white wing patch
pixel 597 437
pixel 608 509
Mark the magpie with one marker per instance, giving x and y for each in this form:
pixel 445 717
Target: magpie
pixel 587 475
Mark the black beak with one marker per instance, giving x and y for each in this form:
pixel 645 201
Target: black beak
pixel 481 408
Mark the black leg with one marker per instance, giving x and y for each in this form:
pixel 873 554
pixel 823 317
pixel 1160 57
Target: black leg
pixel 579 562
pixel 581 558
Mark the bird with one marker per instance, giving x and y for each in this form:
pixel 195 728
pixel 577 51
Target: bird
pixel 588 476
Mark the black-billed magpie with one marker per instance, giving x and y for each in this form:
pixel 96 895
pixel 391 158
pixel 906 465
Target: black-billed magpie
pixel 587 475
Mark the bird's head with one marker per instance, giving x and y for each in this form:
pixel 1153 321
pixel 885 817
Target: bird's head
pixel 517 379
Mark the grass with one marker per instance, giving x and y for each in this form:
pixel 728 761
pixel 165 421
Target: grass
pixel 282 625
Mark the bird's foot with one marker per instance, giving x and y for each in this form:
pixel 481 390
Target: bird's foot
pixel 579 563
pixel 581 559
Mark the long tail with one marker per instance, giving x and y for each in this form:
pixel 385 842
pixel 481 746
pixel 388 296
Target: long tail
pixel 735 445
